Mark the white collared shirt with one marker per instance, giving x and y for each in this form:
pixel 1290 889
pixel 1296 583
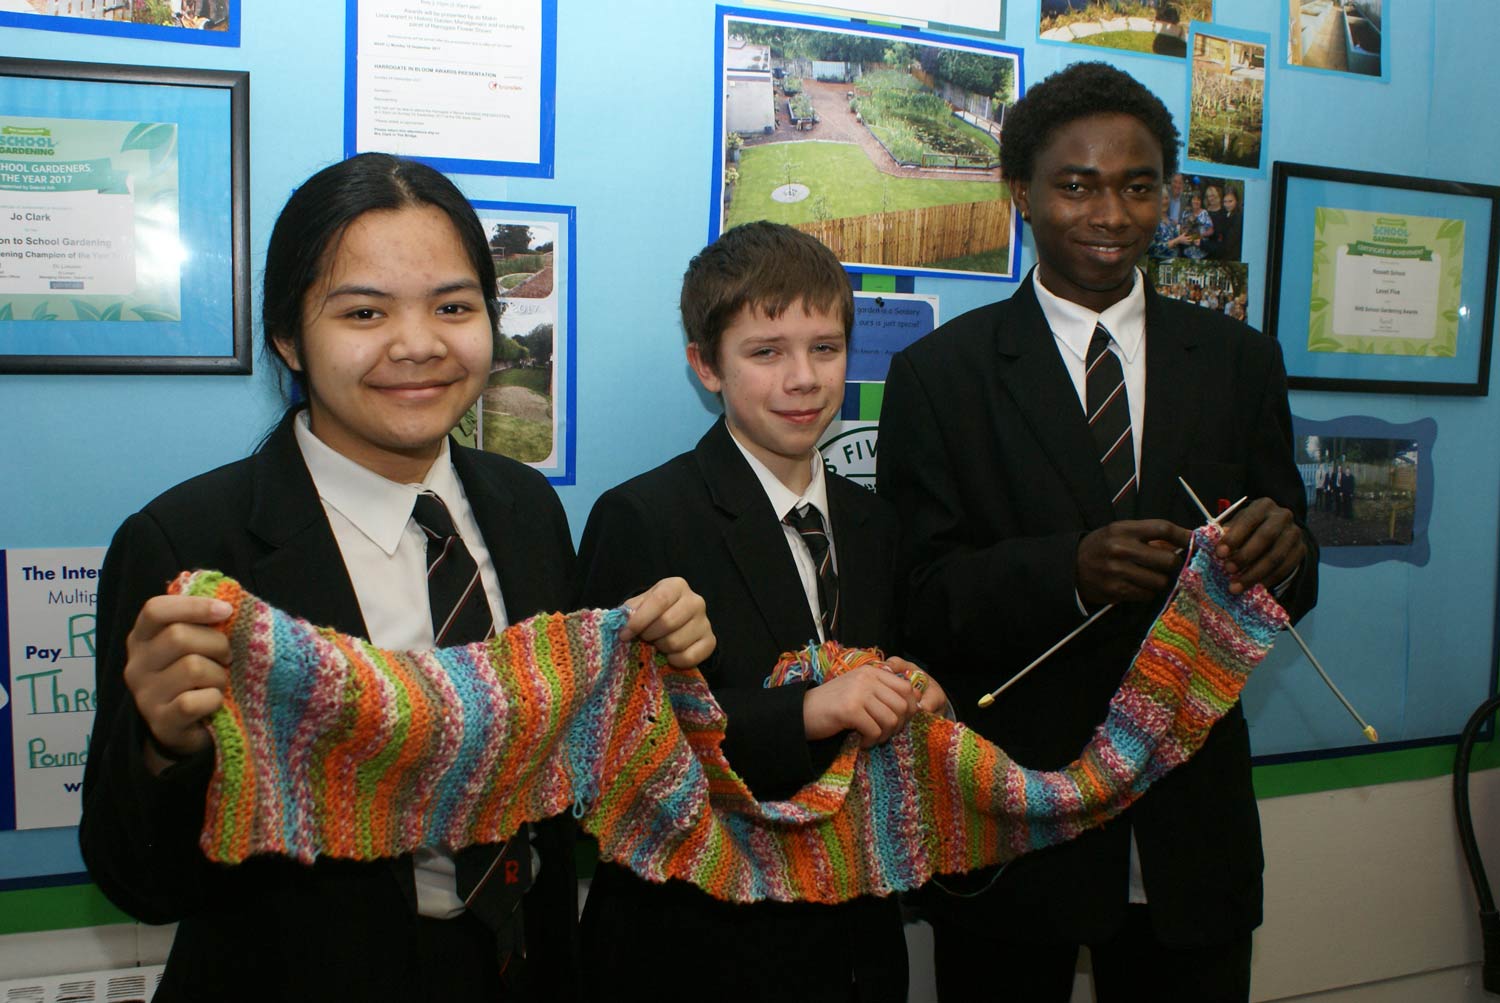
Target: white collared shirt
pixel 1073 328
pixel 385 552
pixel 783 500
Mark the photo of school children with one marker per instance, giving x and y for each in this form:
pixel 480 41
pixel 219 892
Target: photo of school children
pixel 1361 492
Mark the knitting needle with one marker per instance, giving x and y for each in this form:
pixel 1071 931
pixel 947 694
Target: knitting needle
pixel 989 698
pixel 1365 727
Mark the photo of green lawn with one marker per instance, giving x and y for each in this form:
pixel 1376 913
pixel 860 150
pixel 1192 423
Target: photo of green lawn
pixel 886 148
pixel 845 181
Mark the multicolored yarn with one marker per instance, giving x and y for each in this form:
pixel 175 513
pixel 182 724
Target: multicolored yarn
pixel 327 745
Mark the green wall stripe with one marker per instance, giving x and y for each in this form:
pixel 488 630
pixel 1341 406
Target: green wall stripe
pixel 1368 770
pixel 60 908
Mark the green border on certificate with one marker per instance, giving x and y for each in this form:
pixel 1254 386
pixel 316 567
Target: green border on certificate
pixel 89 220
pixel 1385 283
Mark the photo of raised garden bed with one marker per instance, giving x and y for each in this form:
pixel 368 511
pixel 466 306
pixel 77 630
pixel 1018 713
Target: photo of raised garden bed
pixel 884 146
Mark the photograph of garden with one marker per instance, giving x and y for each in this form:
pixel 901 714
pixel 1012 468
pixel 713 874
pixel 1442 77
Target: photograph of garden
pixel 515 415
pixel 1159 27
pixel 1226 116
pixel 1361 492
pixel 884 147
pixel 1338 35
pixel 206 15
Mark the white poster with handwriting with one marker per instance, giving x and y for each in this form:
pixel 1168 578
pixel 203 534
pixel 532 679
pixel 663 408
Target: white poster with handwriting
pixel 51 598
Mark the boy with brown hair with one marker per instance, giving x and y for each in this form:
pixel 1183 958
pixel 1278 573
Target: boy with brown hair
pixel 782 552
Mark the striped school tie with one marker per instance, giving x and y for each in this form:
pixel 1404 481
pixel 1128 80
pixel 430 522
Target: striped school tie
pixel 1109 421
pixel 455 594
pixel 808 522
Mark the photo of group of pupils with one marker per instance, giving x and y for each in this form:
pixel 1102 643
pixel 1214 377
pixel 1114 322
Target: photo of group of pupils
pixel 1201 219
pixel 359 513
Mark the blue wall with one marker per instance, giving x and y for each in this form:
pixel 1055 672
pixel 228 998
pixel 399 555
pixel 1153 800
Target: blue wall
pixel 634 139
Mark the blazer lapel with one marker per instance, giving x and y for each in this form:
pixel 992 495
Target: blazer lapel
pixel 302 568
pixel 1039 383
pixel 510 546
pixel 1172 406
pixel 859 610
pixel 755 539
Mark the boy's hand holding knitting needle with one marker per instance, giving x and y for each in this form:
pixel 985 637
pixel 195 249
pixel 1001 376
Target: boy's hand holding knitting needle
pixel 1262 544
pixel 1130 560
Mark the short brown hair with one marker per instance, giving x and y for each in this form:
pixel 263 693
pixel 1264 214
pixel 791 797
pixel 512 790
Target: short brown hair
pixel 767 266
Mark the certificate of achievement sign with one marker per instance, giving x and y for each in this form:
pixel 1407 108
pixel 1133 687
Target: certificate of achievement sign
pixel 1385 284
pixel 51 596
pixel 88 220
pixel 452 81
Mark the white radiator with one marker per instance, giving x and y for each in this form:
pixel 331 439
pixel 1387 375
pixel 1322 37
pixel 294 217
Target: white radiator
pixel 121 985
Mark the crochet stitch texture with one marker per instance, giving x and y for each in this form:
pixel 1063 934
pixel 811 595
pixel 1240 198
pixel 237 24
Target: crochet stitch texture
pixel 327 745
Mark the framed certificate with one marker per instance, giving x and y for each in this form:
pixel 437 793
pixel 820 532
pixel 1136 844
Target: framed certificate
pixel 124 206
pixel 1382 282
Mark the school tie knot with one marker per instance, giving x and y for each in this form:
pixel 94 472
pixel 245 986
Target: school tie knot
pixel 432 515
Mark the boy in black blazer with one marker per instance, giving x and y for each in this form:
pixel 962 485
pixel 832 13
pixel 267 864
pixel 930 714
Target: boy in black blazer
pixel 767 311
pixel 1032 492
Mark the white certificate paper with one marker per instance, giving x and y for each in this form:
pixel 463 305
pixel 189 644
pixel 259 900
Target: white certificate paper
pixel 78 242
pixel 1379 297
pixel 450 79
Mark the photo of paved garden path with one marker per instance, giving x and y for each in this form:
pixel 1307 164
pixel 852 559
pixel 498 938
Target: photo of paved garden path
pixel 837 124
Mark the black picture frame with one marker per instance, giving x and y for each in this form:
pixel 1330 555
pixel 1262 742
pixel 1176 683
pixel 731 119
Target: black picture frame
pixel 208 146
pixel 1463 215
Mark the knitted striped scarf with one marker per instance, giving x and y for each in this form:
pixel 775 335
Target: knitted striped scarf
pixel 329 746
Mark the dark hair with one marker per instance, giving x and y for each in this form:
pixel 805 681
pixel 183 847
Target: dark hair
pixel 1078 91
pixel 768 266
pixel 313 221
